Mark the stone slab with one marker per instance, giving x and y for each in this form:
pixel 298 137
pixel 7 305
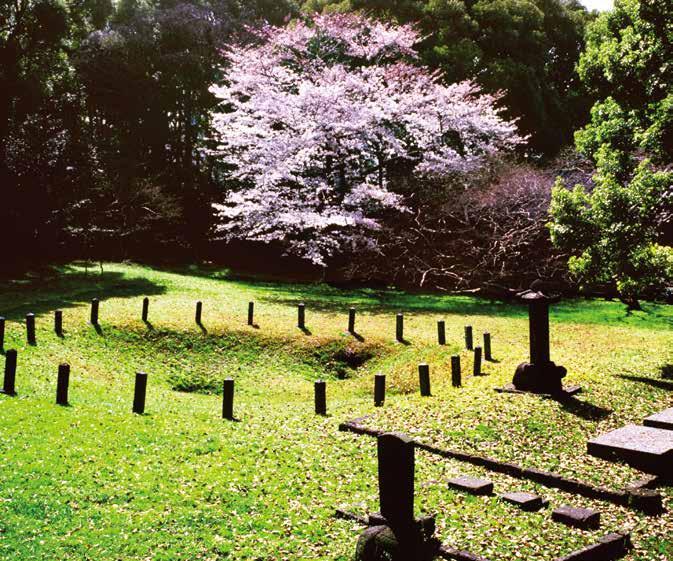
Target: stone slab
pixel 608 548
pixel 661 420
pixel 583 518
pixel 567 391
pixel 472 485
pixel 645 448
pixel 525 501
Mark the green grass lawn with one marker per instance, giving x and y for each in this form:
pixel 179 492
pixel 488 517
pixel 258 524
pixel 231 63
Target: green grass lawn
pixel 93 481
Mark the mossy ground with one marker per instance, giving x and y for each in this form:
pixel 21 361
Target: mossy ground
pixel 92 481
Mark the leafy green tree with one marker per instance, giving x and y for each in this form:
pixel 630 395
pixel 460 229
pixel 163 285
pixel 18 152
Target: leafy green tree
pixel 526 48
pixel 616 233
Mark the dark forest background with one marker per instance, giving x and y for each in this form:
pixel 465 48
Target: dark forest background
pixel 105 114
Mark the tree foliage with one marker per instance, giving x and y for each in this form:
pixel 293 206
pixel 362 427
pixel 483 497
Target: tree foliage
pixel 320 116
pixel 526 48
pixel 616 231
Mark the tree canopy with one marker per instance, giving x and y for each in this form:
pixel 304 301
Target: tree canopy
pixel 317 116
pixel 616 232
pixel 526 48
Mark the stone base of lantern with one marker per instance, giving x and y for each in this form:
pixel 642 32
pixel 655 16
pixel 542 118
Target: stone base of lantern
pixel 540 378
pixel 379 543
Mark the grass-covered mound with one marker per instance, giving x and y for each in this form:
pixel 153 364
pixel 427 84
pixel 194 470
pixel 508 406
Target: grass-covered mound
pixel 93 481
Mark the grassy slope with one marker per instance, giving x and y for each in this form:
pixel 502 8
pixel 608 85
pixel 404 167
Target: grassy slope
pixel 93 481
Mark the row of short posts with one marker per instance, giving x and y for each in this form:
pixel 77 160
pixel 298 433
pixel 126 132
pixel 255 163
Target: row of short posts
pixel 63 383
pixel 140 390
pixel 198 316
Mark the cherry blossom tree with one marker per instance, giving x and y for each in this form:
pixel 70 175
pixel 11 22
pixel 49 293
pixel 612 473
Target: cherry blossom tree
pixel 317 117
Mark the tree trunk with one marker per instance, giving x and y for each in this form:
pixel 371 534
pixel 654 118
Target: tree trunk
pixel 632 304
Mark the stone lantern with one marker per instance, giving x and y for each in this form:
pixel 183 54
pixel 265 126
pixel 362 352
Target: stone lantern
pixel 540 375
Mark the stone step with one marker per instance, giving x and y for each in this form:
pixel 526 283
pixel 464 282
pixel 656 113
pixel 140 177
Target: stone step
pixel 525 501
pixel 583 518
pixel 645 448
pixel 612 546
pixel 661 420
pixel 472 485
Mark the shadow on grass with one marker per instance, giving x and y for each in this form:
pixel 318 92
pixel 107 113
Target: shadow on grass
pixel 66 287
pixel 324 297
pixel 356 336
pixel 331 300
pixel 667 371
pixel 584 409
pixel 661 384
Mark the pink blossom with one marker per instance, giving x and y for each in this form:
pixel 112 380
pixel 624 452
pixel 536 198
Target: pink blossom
pixel 313 115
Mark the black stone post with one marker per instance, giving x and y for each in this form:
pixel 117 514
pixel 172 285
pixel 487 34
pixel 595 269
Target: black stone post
pixel 301 316
pixel 487 347
pixel 396 480
pixel 379 389
pixel 2 333
pixel 251 313
pixel 540 375
pixel 58 322
pixel 395 533
pixel 469 344
pixel 62 384
pixel 476 370
pixel 351 320
pixel 456 381
pixel 94 311
pixel 140 392
pixel 399 328
pixel 228 399
pixel 30 329
pixel 538 330
pixel 146 309
pixel 320 397
pixel 197 316
pixel 424 379
pixel 9 383
pixel 441 332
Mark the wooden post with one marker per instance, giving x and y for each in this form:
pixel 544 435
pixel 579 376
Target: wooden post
pixel 2 333
pixel 399 330
pixel 487 347
pixel 9 383
pixel 94 311
pixel 301 316
pixel 30 329
pixel 58 322
pixel 379 389
pixel 477 362
pixel 468 338
pixel 320 397
pixel 228 399
pixel 441 332
pixel 251 313
pixel 456 381
pixel 62 384
pixel 139 393
pixel 197 316
pixel 424 379
pixel 351 320
pixel 146 309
